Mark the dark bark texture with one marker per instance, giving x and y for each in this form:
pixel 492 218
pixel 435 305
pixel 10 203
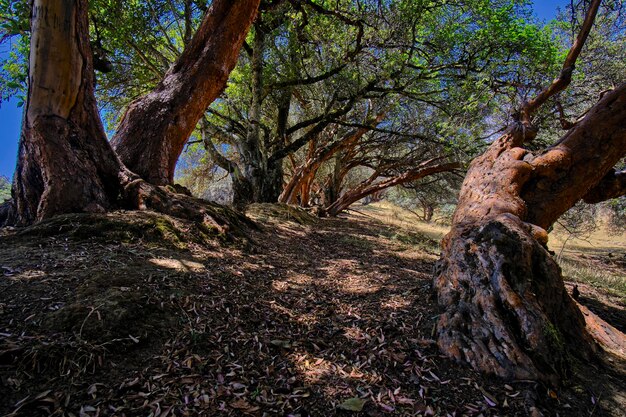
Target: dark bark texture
pixel 65 163
pixel 505 308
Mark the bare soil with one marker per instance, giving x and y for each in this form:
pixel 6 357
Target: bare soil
pixel 139 314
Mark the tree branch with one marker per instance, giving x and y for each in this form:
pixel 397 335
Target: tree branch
pixel 612 185
pixel 565 77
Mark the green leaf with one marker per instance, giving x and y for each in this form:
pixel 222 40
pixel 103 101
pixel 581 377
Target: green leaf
pixel 352 404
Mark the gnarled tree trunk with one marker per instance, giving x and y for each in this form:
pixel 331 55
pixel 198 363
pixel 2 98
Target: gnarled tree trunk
pixel 65 163
pixel 155 128
pixel 505 308
pixel 300 183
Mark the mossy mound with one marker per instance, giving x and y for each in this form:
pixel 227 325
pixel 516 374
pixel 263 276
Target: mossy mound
pixel 145 226
pixel 119 226
pixel 264 212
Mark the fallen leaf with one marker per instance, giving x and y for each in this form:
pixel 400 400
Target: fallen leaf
pixel 352 404
pixel 281 343
pixel 241 404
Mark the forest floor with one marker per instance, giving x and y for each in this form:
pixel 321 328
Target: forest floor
pixel 138 314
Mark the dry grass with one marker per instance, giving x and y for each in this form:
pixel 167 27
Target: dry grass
pixel 598 259
pixel 402 219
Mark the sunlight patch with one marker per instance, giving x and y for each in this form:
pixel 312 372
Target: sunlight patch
pixel 26 275
pixel 178 264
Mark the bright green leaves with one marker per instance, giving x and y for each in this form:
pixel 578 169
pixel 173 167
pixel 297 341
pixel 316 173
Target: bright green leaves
pixel 14 27
pixel 14 70
pixel 14 15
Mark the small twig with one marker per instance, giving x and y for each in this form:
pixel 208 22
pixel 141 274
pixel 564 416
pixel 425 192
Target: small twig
pixel 93 309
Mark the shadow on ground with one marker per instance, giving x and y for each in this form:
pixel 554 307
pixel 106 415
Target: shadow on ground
pixel 319 319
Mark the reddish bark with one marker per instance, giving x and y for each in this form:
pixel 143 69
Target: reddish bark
pixel 300 183
pixel 155 128
pixel 65 162
pixel 505 309
pixel 369 187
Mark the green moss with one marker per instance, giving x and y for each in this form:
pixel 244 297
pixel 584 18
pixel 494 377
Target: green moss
pixel 168 232
pixel 554 337
pixel 148 227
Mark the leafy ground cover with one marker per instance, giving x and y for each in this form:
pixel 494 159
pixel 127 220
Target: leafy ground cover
pixel 138 314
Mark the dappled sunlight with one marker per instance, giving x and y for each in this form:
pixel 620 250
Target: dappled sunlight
pixel 313 369
pixel 293 281
pixel 311 318
pixel 26 275
pixel 293 314
pixel 396 216
pixel 396 302
pixel 178 264
pixel 342 274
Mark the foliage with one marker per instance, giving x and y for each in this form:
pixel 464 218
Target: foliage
pixel 140 40
pixel 447 75
pixel 5 188
pixel 616 210
pixel 14 28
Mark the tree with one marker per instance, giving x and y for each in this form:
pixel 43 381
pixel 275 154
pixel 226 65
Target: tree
pixel 272 109
pixel 304 77
pixel 504 306
pixel 65 162
pixel 155 128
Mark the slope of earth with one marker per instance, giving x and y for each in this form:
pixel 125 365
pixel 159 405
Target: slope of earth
pixel 138 314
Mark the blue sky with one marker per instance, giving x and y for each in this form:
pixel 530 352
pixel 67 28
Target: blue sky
pixel 11 115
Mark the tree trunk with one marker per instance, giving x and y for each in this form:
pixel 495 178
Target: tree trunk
pixel 300 183
pixel 65 163
pixel 428 212
pixel 155 128
pixel 505 308
pixel 262 185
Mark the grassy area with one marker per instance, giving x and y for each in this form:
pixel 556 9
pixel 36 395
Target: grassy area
pixel 577 271
pixel 598 260
pixel 406 221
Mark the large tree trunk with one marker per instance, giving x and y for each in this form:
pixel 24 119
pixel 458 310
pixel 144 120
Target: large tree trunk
pixel 155 128
pixel 505 308
pixel 65 163
pixel 262 185
pixel 262 180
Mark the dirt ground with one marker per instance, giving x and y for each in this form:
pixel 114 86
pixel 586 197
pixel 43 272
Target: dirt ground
pixel 137 314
